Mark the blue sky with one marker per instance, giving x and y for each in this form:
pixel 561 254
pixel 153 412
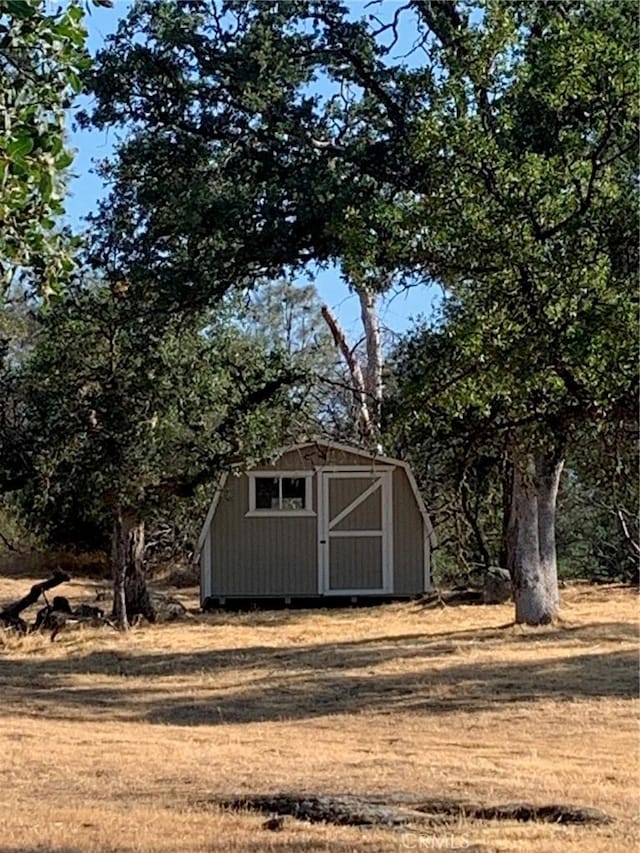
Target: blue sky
pixel 85 189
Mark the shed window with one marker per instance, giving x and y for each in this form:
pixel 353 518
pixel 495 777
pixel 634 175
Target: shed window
pixel 267 493
pixel 280 494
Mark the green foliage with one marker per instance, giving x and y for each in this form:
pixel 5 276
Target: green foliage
pixel 599 526
pixel 120 411
pixel 459 451
pixel 42 62
pixel 503 166
pixel 456 448
pixel 528 153
pixel 498 157
pixel 234 168
pixel 537 150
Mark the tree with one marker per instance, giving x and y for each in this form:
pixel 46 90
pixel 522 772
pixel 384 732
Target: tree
pixel 42 62
pixel 497 159
pixel 539 153
pixel 457 451
pixel 458 440
pixel 121 416
pixel 290 316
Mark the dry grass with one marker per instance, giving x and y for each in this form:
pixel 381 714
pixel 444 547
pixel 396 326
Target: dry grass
pixel 116 743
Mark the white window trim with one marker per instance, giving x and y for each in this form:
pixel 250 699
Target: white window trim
pixel 307 475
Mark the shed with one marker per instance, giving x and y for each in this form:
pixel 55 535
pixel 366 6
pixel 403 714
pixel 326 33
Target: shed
pixel 325 520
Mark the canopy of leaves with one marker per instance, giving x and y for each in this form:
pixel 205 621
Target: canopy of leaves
pixel 498 154
pixel 536 129
pixel 113 414
pixel 248 149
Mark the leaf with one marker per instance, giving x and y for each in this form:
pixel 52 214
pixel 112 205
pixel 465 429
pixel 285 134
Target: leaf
pixel 64 160
pixel 20 9
pixel 46 185
pixel 74 81
pixel 19 148
pixel 75 14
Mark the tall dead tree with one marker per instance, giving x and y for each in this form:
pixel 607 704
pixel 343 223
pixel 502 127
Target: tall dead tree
pixel 373 342
pixel 366 379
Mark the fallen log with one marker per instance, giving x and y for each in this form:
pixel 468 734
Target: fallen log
pixel 340 811
pixel 11 614
pixel 451 597
pixel 396 812
pixel 565 814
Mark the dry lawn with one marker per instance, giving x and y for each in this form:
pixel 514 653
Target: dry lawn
pixel 118 743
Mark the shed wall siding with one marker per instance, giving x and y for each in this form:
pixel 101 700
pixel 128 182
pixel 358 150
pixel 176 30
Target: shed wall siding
pixel 355 564
pixel 408 541
pixel 261 556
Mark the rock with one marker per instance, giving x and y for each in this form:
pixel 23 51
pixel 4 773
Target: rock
pixel 340 811
pixel 524 812
pixel 274 824
pixel 497 588
pixel 167 608
pixel 61 604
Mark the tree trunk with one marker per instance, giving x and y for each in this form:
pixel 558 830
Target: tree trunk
pixel 549 471
pixel 130 594
pixel 507 545
pixel 367 381
pixel 373 373
pixel 533 556
pixel 365 425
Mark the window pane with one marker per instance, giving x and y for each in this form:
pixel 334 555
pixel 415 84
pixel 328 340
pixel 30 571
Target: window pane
pixel 267 494
pixel 293 492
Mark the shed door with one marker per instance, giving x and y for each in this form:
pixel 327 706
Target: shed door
pixel 355 527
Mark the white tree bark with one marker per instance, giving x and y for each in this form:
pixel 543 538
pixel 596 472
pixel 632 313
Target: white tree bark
pixel 533 560
pixel 355 370
pixel 373 373
pixel 367 381
pixel 549 472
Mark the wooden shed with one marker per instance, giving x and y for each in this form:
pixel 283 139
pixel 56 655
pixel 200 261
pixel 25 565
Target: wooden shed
pixel 324 520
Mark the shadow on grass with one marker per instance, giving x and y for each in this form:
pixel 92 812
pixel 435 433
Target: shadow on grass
pixel 298 682
pixel 316 657
pixel 463 687
pixel 42 849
